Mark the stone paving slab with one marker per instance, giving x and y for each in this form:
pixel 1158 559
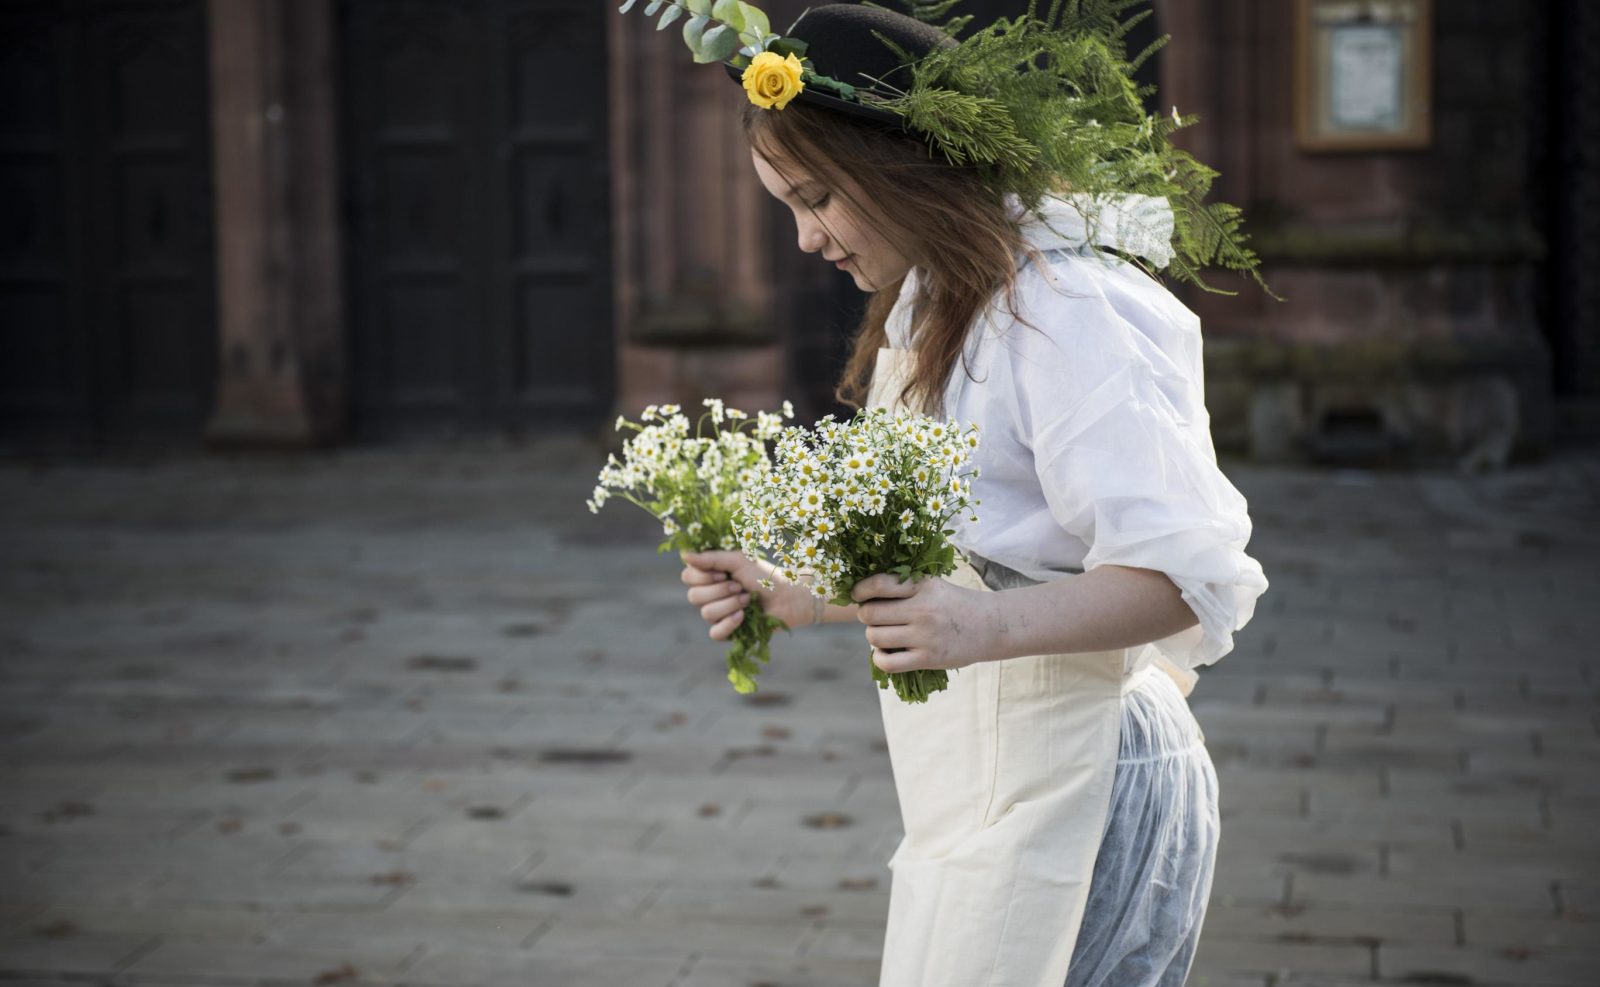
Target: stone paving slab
pixel 75 954
pixel 413 716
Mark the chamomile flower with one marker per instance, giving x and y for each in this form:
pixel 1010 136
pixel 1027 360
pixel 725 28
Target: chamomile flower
pixel 810 501
pixel 860 496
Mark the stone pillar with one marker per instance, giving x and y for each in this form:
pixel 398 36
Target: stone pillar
pixel 279 290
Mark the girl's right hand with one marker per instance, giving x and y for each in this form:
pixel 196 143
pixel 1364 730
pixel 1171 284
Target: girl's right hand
pixel 721 584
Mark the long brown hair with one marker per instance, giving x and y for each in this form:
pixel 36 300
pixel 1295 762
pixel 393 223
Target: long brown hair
pixel 958 230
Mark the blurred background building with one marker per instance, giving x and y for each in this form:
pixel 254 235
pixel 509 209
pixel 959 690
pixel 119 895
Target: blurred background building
pixel 302 222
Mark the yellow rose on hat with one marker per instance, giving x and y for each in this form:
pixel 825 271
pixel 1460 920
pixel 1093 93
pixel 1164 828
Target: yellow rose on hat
pixel 772 80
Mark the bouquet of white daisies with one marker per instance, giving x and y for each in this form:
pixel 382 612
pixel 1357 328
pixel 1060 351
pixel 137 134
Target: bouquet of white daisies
pixel 844 501
pixel 693 485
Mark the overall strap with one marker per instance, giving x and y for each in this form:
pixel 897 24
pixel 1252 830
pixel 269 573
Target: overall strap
pixel 999 577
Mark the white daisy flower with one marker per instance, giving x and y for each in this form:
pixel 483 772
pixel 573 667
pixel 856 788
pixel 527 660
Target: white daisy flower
pixel 811 501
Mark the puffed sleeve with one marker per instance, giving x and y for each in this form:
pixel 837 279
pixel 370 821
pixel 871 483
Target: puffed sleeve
pixel 1127 466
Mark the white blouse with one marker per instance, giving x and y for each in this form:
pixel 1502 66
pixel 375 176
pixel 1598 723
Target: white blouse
pixel 1095 441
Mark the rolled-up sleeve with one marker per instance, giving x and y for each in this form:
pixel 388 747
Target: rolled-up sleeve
pixel 1124 472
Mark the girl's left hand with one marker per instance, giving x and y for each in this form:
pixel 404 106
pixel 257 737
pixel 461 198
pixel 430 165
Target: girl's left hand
pixel 936 622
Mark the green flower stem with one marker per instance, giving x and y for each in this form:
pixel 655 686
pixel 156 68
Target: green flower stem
pixel 751 646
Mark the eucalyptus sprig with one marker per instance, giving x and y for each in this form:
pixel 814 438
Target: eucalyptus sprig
pixel 717 30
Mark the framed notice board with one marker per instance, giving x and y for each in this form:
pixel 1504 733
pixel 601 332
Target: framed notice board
pixel 1363 74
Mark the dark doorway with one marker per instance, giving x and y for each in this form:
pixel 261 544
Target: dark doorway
pixel 1564 147
pixel 478 213
pixel 107 319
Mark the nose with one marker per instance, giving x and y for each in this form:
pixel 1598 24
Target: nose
pixel 812 237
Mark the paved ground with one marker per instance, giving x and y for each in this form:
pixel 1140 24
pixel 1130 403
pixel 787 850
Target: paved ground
pixel 416 717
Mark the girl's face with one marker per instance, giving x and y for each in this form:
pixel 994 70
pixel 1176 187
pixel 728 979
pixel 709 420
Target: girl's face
pixel 825 224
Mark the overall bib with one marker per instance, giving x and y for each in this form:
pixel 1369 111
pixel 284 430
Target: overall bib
pixel 1004 781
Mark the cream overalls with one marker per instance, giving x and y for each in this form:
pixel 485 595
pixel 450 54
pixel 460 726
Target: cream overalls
pixel 1004 781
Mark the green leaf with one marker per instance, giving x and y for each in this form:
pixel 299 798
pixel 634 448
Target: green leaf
pixel 652 7
pixel 730 13
pixel 742 683
pixel 627 6
pixel 718 44
pixel 755 26
pixel 672 14
pixel 786 47
pixel 701 7
pixel 693 30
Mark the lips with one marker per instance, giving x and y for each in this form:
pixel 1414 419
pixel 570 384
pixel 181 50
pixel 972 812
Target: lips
pixel 841 262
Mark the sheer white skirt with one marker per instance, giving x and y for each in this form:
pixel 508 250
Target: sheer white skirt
pixel 1152 878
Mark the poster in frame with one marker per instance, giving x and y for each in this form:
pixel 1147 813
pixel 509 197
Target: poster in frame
pixel 1363 74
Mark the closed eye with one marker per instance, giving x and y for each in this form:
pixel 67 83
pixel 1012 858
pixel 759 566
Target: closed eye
pixel 820 202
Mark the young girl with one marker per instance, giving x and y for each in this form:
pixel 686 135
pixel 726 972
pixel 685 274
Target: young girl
pixel 1059 805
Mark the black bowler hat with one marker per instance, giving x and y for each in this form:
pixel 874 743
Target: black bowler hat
pixel 840 45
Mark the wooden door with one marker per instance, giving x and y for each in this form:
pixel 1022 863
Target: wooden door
pixel 107 317
pixel 479 228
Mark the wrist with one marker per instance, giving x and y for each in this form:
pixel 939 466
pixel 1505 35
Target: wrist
pixel 815 607
pixel 995 642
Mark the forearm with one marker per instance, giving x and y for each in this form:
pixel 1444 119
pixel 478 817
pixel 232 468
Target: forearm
pixel 1108 607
